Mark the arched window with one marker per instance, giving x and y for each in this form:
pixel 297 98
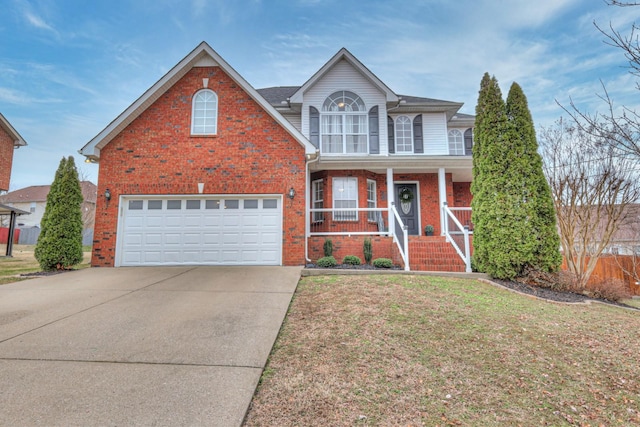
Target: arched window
pixel 404 138
pixel 343 124
pixel 456 143
pixel 204 113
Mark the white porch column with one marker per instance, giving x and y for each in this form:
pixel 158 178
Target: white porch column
pixel 391 198
pixel 442 195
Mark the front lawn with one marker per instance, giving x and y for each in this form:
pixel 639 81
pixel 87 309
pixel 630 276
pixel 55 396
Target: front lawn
pixel 420 350
pixel 23 262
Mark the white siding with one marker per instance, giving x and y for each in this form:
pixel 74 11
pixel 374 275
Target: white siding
pixel 295 120
pixel 435 134
pixel 344 77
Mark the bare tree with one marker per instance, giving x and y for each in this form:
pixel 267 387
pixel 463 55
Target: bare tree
pixel 591 186
pixel 617 126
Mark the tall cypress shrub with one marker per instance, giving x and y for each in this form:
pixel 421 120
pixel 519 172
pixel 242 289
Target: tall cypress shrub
pixel 490 133
pixel 541 240
pixel 513 216
pixel 60 242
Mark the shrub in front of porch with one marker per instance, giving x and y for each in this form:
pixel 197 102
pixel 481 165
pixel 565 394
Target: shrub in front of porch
pixel 327 262
pixel 382 263
pixel 351 260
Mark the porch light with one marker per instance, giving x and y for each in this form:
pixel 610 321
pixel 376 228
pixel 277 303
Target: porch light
pixel 292 193
pixel 107 194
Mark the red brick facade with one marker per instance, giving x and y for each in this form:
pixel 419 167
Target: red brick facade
pixel 156 154
pixel 462 194
pixel 6 159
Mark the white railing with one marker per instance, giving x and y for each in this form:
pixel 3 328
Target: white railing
pixel 349 221
pixel 457 234
pixel 403 245
pixel 361 221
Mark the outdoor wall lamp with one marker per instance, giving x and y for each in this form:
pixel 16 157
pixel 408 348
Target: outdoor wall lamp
pixel 107 194
pixel 292 193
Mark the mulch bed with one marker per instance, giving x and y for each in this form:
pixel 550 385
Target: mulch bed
pixel 45 273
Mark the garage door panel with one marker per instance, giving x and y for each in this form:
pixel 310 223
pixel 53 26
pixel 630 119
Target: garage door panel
pixel 175 230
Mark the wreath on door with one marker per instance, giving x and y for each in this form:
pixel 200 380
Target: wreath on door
pixel 406 195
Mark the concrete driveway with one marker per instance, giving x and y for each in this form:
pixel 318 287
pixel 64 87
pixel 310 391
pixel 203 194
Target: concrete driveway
pixel 138 346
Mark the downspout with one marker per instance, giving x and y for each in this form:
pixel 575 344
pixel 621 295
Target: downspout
pixel 307 197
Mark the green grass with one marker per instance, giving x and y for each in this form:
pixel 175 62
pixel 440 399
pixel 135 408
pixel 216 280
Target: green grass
pixel 23 261
pixel 419 350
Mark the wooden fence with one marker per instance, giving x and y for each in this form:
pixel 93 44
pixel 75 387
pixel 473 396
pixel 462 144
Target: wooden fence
pixel 619 267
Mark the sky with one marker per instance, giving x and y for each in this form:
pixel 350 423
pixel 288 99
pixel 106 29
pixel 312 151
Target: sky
pixel 70 67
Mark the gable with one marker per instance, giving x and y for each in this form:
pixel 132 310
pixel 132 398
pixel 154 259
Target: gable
pixel 201 56
pixel 339 59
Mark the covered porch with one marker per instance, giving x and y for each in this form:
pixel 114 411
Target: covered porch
pixel 416 211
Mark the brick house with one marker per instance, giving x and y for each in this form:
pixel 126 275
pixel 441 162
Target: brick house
pixel 205 169
pixel 10 139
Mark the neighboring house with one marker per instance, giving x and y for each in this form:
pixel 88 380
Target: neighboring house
pixel 10 139
pixel 205 169
pixel 626 240
pixel 33 199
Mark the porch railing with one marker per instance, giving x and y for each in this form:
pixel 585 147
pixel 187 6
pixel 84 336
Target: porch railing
pixel 458 234
pixel 361 221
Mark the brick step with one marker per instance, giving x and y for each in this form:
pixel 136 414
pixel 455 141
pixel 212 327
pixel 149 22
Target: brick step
pixel 434 253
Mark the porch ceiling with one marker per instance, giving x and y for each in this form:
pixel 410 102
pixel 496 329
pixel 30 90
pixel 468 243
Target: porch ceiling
pixel 459 166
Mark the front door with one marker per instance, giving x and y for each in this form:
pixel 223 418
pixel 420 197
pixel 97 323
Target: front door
pixel 407 206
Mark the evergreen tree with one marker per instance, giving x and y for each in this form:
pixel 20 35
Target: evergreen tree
pixel 60 242
pixel 490 131
pixel 542 239
pixel 513 216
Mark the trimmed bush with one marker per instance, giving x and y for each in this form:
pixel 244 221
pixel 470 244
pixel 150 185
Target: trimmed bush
pixel 327 262
pixel 59 245
pixel 351 260
pixel 328 248
pixel 368 251
pixel 382 263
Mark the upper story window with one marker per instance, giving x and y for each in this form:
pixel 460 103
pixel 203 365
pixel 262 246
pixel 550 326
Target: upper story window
pixel 404 137
pixel 343 124
pixel 468 142
pixel 456 143
pixel 204 114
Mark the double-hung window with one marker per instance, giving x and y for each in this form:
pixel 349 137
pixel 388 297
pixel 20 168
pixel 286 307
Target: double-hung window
pixel 404 137
pixel 345 195
pixel 317 195
pixel 204 113
pixel 344 124
pixel 371 199
pixel 456 143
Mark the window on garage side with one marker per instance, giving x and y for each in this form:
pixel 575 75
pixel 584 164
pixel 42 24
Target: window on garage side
pixel 317 194
pixel 204 114
pixel 345 195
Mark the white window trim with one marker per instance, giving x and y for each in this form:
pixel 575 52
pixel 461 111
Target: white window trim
pixel 317 216
pixel 374 202
pixel 214 118
pixel 344 215
pixel 456 148
pixel 343 124
pixel 395 125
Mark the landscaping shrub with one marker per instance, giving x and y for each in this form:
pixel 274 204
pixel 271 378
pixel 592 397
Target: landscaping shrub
pixel 60 242
pixel 328 247
pixel 327 262
pixel 351 260
pixel 368 251
pixel 382 263
pixel 608 288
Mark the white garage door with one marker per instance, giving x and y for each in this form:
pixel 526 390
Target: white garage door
pixel 174 230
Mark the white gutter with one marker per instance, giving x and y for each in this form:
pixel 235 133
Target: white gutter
pixel 307 198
